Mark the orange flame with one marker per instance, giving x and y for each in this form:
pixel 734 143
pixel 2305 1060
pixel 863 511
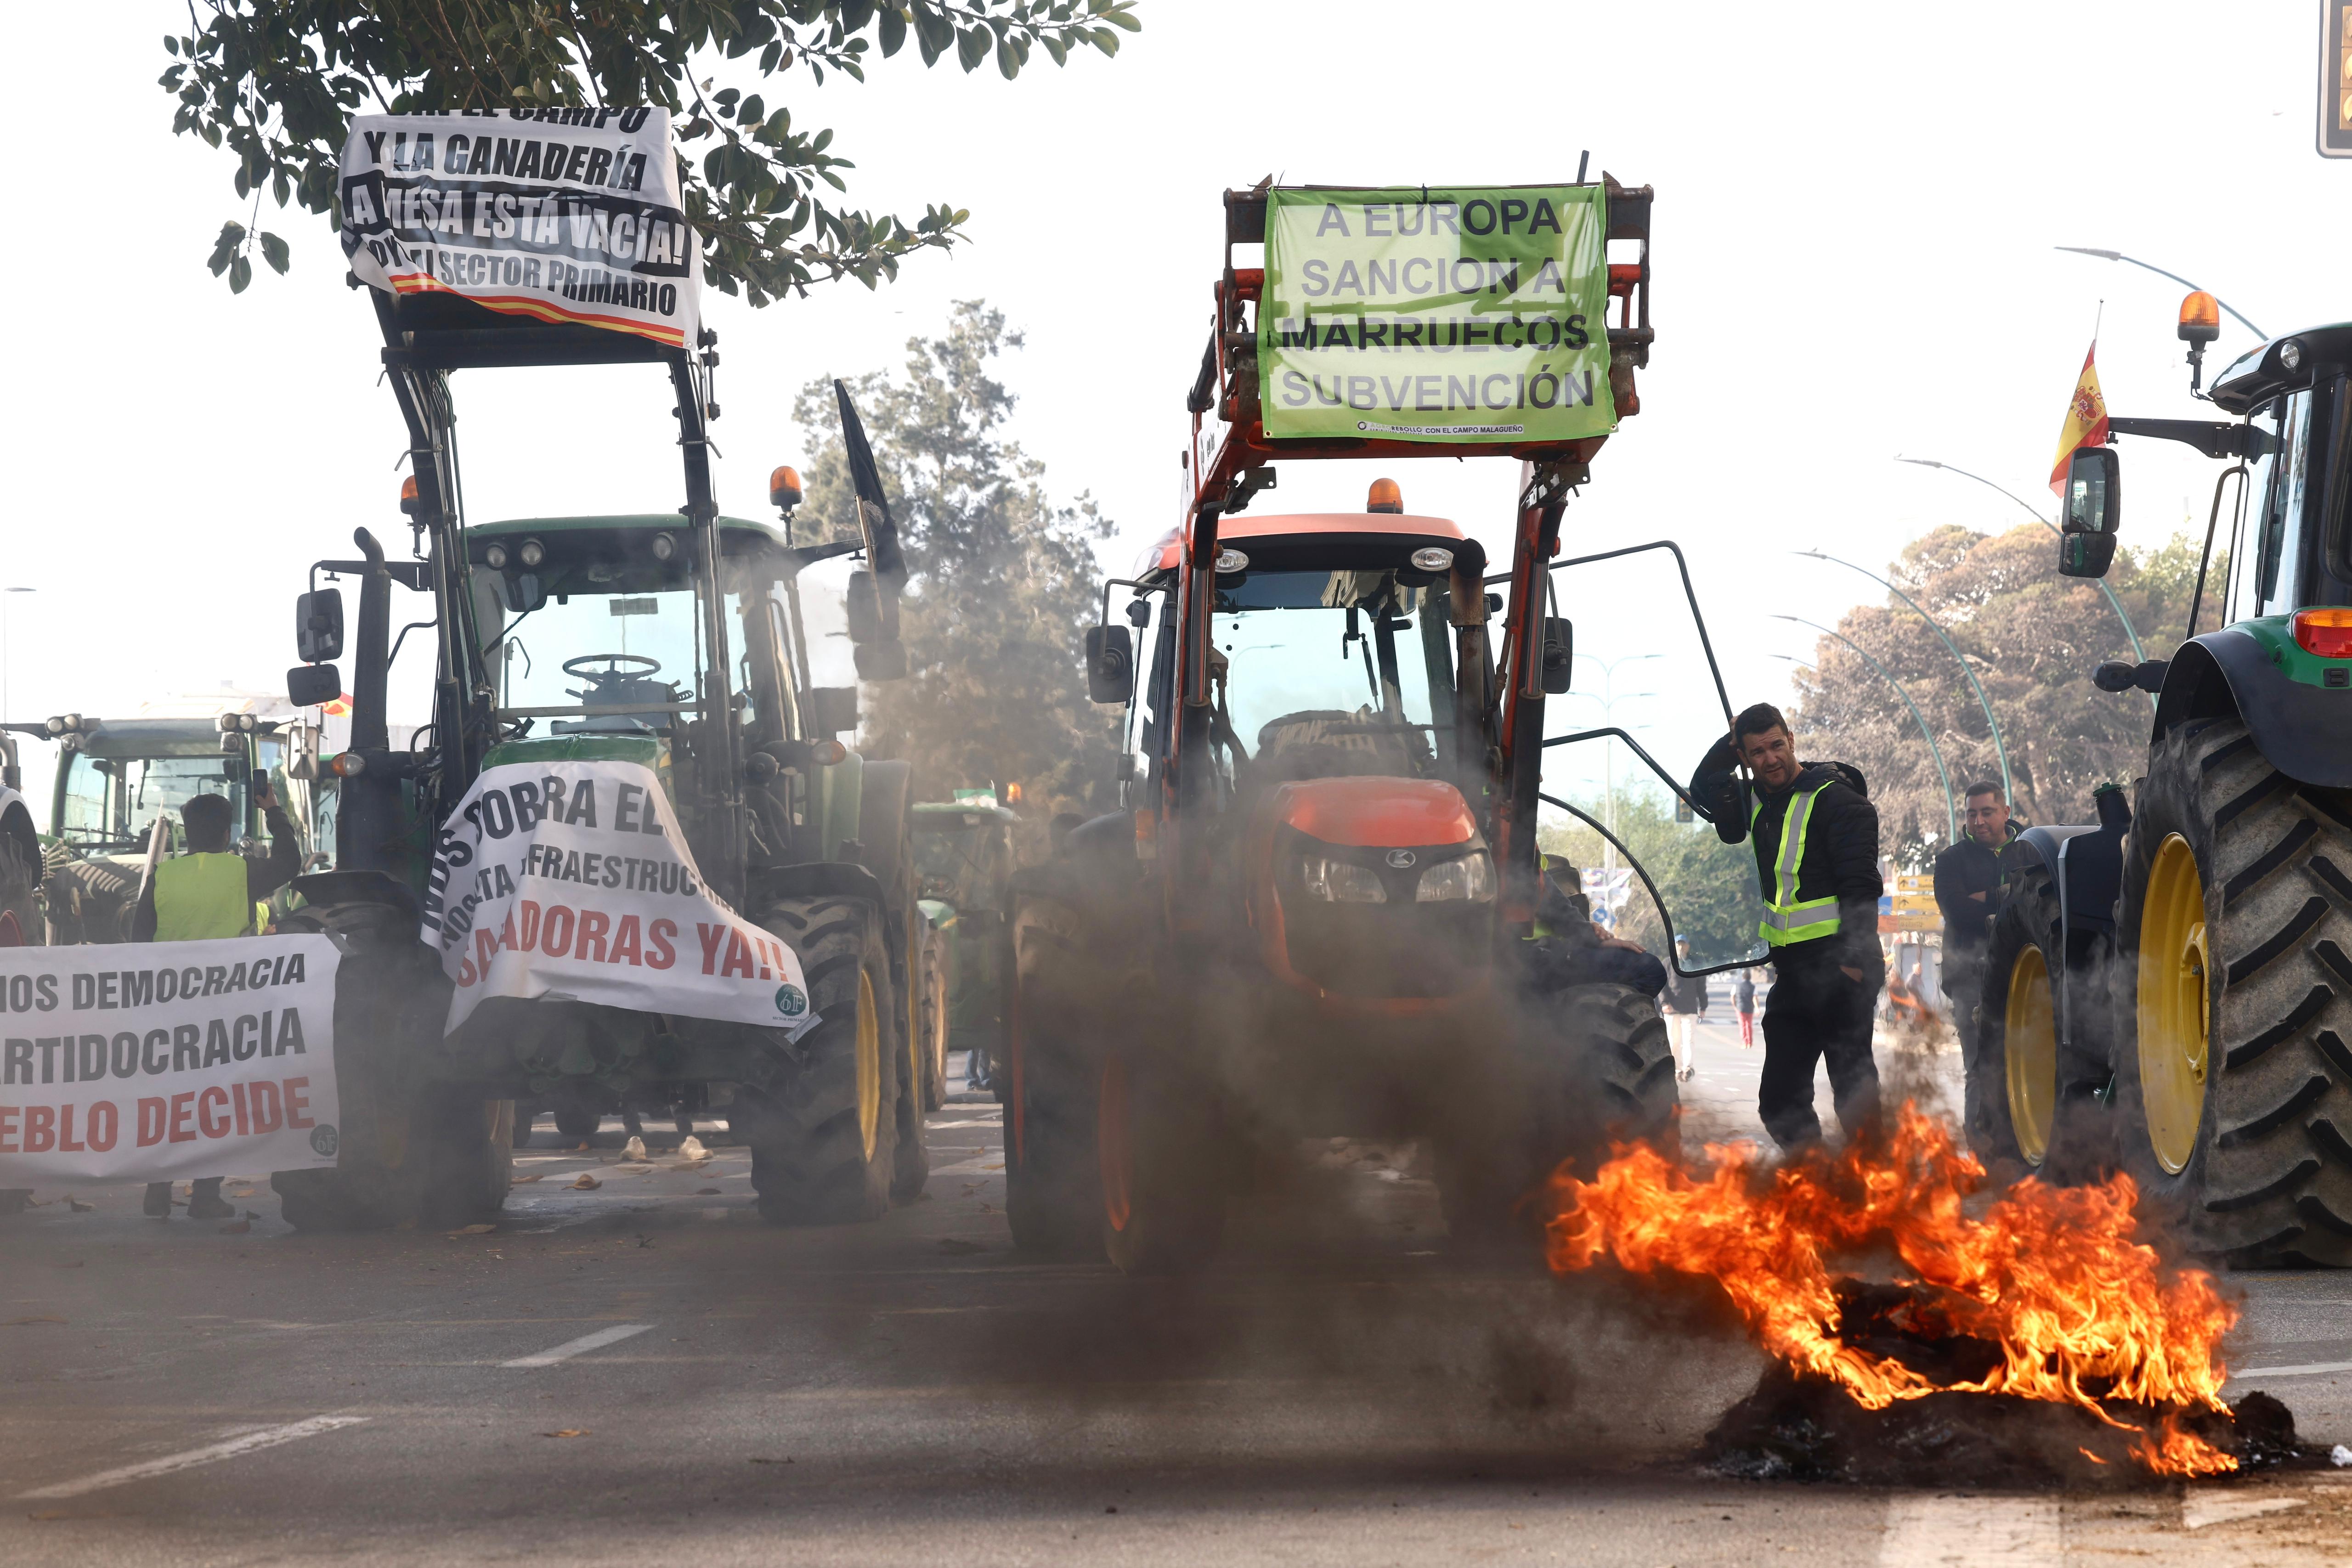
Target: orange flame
pixel 2081 1311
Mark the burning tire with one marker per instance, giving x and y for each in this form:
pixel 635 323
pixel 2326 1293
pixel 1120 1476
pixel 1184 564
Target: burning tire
pixel 432 1156
pixel 1049 1083
pixel 2235 991
pixel 824 1146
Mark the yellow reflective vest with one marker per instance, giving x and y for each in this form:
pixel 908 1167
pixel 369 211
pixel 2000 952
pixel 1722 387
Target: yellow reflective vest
pixel 199 897
pixel 1788 918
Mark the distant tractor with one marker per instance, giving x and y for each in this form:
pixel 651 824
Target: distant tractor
pixel 2177 978
pixel 115 777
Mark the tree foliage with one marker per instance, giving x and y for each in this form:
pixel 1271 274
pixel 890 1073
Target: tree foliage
pixel 1001 582
pixel 277 82
pixel 2033 639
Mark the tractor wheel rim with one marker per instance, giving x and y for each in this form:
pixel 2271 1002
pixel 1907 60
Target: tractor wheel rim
pixel 1114 1138
pixel 2174 1004
pixel 869 1062
pixel 2029 1054
pixel 914 1008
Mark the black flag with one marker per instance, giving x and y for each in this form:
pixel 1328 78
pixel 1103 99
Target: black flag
pixel 873 510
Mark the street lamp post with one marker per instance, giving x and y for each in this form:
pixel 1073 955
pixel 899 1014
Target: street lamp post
pixel 1609 698
pixel 2118 256
pixel 2139 654
pixel 1943 775
pixel 2008 792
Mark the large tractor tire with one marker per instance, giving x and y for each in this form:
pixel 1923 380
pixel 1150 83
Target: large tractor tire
pixel 824 1146
pixel 932 986
pixel 2234 1077
pixel 1164 1169
pixel 2032 1098
pixel 1587 1070
pixel 1049 1085
pixel 406 1151
pixel 21 871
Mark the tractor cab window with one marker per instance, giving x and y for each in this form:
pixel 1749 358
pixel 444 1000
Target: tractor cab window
pixel 613 631
pixel 2280 484
pixel 110 803
pixel 1322 672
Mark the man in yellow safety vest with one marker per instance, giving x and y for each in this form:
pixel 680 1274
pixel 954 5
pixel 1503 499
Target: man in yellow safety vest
pixel 1816 838
pixel 208 893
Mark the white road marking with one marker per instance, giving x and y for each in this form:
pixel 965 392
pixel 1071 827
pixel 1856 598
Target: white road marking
pixel 988 1163
pixel 2308 1369
pixel 1924 1531
pixel 2215 1506
pixel 268 1438
pixel 580 1346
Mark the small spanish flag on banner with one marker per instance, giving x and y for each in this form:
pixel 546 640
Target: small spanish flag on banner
pixel 2086 420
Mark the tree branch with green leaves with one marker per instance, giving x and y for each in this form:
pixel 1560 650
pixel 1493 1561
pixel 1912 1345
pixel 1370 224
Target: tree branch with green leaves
pixel 276 83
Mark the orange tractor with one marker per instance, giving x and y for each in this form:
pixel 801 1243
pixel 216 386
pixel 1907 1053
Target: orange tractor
pixel 1316 914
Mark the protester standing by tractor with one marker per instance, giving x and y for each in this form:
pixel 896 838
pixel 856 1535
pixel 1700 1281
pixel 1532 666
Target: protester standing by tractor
pixel 1967 886
pixel 205 894
pixel 1816 839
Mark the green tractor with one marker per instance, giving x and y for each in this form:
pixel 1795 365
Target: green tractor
pixel 2172 987
pixel 671 642
pixel 115 777
pixel 963 870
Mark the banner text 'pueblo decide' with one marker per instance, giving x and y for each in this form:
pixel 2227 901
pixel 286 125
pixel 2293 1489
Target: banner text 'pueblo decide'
pixel 151 1062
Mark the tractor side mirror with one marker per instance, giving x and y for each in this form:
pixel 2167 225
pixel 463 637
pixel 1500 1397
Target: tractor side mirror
pixel 830 710
pixel 862 603
pixel 1558 654
pixel 1110 664
pixel 2091 508
pixel 307 685
pixel 319 626
pixel 880 660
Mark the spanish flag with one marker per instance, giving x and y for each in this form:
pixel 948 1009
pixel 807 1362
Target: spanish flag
pixel 2086 420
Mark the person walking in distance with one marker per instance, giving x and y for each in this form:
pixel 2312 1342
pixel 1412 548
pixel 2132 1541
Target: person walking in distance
pixel 1683 1002
pixel 207 893
pixel 1815 835
pixel 1967 884
pixel 1743 1002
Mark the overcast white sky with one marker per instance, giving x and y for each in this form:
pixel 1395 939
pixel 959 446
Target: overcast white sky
pixel 1856 206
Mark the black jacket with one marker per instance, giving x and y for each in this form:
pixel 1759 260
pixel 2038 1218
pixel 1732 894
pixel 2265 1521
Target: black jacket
pixel 1968 867
pixel 1841 848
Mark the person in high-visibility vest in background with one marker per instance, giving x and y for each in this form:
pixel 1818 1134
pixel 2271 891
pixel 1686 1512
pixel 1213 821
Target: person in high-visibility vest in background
pixel 212 892
pixel 1816 839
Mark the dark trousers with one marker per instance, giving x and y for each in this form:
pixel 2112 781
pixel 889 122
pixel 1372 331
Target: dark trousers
pixel 1964 984
pixel 1816 1010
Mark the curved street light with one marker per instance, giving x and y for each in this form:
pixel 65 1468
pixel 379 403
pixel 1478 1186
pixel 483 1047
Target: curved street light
pixel 2118 256
pixel 2000 750
pixel 1943 775
pixel 2139 654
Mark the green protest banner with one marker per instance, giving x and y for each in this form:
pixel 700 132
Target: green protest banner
pixel 1463 315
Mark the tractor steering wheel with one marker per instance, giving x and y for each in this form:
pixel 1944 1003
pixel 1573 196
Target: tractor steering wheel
pixel 612 663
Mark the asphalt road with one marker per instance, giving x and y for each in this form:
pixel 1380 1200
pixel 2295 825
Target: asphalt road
pixel 642 1373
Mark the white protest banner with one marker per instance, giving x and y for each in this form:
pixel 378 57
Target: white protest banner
pixel 572 879
pixel 156 1061
pixel 566 214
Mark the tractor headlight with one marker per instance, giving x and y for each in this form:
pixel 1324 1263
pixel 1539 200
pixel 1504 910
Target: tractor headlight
pixel 1342 882
pixel 1469 879
pixel 495 558
pixel 664 547
pixel 533 552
